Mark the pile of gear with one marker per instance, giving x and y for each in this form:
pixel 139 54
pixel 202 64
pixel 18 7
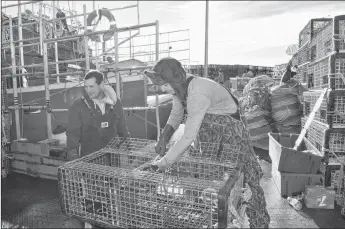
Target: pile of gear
pixel 287 109
pixel 256 108
pixel 268 108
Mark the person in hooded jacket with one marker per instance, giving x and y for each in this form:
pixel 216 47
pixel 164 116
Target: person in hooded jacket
pixel 213 116
pixel 95 118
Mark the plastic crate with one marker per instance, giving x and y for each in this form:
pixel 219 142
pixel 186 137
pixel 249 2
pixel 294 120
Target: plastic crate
pixel 326 139
pixel 329 38
pixel 327 73
pixel 311 28
pixel 109 188
pixel 333 101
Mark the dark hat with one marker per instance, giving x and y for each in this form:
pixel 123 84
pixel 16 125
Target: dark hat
pixel 166 70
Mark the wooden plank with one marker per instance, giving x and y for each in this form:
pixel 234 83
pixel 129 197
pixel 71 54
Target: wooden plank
pixel 41 148
pixel 36 165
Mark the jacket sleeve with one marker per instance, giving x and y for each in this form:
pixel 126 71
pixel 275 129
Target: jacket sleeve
pixel 121 126
pixel 73 131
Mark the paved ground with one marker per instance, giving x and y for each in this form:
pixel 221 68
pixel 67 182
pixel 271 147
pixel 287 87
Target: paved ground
pixel 34 202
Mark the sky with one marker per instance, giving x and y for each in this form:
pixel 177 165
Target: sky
pixel 240 32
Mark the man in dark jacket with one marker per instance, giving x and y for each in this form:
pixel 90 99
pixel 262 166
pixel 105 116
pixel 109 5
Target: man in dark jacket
pixel 92 120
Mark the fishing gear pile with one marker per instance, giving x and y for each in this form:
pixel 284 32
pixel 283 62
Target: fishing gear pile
pixel 256 108
pixel 287 109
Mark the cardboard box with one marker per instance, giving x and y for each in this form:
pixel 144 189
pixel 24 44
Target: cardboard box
pixel 319 197
pixel 286 159
pixel 289 184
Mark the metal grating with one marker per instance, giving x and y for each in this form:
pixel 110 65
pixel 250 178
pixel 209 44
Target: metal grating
pixel 111 187
pixel 334 101
pixel 319 135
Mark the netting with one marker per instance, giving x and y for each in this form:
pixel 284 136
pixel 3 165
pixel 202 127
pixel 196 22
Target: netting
pixel 334 101
pixel 112 188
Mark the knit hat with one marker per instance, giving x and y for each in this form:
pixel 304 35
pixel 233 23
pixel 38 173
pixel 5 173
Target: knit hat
pixel 166 70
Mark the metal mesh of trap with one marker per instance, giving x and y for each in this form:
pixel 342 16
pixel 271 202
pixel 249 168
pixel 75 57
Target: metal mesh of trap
pixel 323 42
pixel 322 114
pixel 111 188
pixel 321 75
pixel 303 55
pixel 311 28
pixel 317 135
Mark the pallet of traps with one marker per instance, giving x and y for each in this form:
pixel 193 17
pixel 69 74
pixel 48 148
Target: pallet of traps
pixel 113 188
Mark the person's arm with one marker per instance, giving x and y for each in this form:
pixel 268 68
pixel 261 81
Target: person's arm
pixel 197 106
pixel 73 131
pixel 174 120
pixel 122 130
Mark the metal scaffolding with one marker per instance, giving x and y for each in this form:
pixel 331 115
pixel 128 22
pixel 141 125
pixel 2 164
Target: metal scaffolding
pixel 45 41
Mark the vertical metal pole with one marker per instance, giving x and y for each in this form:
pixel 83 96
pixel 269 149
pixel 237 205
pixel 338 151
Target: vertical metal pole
pixel 206 43
pixel 15 90
pixel 94 5
pixel 55 44
pixel 41 29
pixel 46 85
pixel 130 44
pixel 157 99
pixel 189 46
pixel 103 50
pixel 96 52
pixel 116 56
pixel 20 34
pixel 86 40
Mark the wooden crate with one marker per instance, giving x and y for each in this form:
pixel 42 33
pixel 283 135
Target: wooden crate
pixel 289 184
pixel 286 159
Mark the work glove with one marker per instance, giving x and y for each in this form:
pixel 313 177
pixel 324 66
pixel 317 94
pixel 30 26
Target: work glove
pixel 159 164
pixel 72 155
pixel 161 147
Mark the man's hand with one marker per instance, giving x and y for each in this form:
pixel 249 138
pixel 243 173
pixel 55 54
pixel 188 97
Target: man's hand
pixel 160 147
pixel 72 155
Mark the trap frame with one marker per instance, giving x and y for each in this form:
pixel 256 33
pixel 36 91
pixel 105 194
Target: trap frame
pixel 111 188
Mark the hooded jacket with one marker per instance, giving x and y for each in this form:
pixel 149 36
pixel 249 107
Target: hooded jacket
pixel 91 129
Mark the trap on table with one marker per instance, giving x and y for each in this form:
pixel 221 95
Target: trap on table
pixel 109 188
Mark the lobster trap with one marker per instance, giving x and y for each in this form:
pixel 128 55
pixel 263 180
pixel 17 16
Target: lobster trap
pixel 313 26
pixel 328 72
pixel 112 188
pixel 334 101
pixel 331 37
pixel 326 139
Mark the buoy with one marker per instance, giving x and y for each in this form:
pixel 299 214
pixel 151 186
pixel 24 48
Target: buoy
pixel 291 50
pixel 101 12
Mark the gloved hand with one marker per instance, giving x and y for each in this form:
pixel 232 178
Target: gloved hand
pixel 161 147
pixel 72 155
pixel 151 168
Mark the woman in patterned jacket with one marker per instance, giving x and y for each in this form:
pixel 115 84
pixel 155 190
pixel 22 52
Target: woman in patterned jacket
pixel 213 116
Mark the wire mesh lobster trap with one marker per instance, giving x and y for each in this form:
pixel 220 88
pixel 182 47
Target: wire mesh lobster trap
pixel 312 27
pixel 331 37
pixel 111 187
pixel 334 101
pixel 326 139
pixel 328 72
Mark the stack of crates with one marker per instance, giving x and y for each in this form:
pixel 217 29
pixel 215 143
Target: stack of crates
pixel 321 60
pixel 112 188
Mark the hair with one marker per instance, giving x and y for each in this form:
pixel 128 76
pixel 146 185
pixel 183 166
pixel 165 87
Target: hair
pixel 94 74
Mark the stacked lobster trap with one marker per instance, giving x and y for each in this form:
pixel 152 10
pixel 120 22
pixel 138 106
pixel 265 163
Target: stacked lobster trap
pixel 113 187
pixel 321 65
